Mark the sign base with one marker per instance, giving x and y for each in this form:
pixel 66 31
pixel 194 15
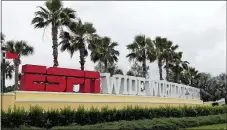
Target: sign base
pixel 48 100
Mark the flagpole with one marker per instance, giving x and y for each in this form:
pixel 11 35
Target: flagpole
pixel 3 69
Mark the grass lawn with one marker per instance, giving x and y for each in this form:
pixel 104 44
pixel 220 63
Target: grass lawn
pixel 216 126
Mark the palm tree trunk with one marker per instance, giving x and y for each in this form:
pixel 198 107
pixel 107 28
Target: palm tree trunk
pixel 100 67
pixel 191 82
pixel 82 56
pixel 144 65
pixel 177 73
pixel 178 76
pixel 106 67
pixel 16 64
pixel 144 68
pixel 160 69
pixel 167 70
pixel 55 44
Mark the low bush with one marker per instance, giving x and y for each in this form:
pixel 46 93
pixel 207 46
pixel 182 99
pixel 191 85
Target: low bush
pixel 154 124
pixel 38 117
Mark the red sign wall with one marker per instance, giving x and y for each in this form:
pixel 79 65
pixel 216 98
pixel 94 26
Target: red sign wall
pixel 54 79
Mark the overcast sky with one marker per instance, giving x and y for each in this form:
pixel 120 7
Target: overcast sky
pixel 199 28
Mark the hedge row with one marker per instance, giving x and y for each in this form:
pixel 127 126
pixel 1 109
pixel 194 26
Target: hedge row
pixel 38 117
pixel 154 124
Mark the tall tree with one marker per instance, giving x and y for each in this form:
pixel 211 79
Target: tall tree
pixel 9 69
pixel 83 33
pixel 141 50
pixel 103 50
pixel 221 86
pixel 22 49
pixel 160 44
pixel 177 66
pixel 217 87
pixel 202 80
pixel 168 54
pixel 203 84
pixel 189 76
pixel 54 14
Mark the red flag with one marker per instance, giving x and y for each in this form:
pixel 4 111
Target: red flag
pixel 10 55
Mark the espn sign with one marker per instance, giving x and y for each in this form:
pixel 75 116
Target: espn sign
pixel 54 79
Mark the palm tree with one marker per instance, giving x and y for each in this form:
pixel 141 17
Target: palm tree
pixel 216 86
pixel 160 44
pixel 103 50
pixel 57 16
pixel 190 76
pixel 22 49
pixel 177 66
pixel 9 69
pixel 203 80
pixel 221 81
pixel 168 54
pixel 142 49
pixel 83 33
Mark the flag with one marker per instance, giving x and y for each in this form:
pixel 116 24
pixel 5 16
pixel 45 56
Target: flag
pixel 10 55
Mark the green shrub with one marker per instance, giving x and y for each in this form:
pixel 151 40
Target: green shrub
pixel 155 124
pixel 38 117
pixel 14 117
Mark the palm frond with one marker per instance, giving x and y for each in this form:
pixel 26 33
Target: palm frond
pixel 89 27
pixel 65 17
pixel 42 14
pixel 19 47
pixel 68 13
pixel 39 22
pixel 132 46
pixel 43 9
pixel 27 50
pixel 102 49
pixel 10 46
pixel 131 56
pixel 9 69
pixel 116 52
pixel 23 49
pixel 140 40
pixel 149 42
pixel 152 56
pixel 53 5
pixel 113 44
